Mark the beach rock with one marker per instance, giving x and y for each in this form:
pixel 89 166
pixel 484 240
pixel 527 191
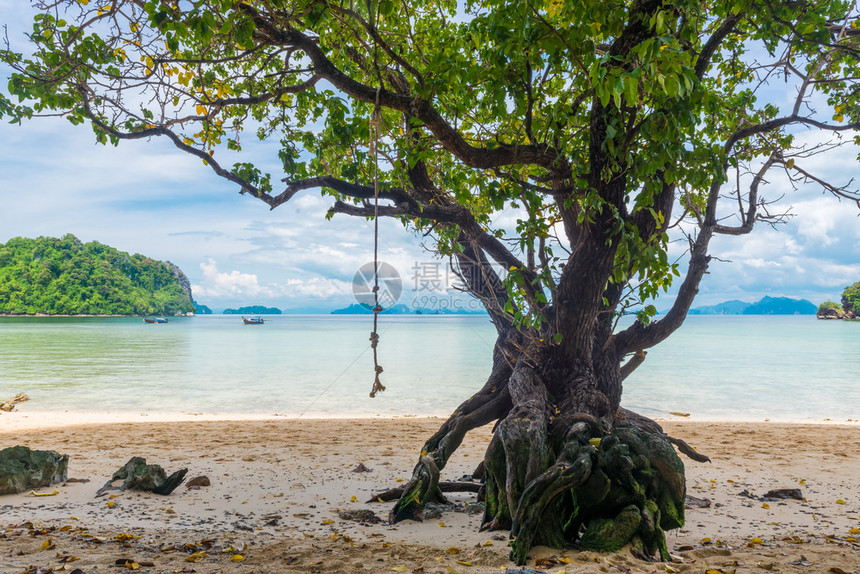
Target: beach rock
pixel 365 516
pixel 9 405
pixel 361 468
pixel 830 313
pixel 785 493
pixel 694 502
pixel 198 481
pixel 23 469
pixel 137 475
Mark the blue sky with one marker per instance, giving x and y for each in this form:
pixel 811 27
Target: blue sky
pixel 150 198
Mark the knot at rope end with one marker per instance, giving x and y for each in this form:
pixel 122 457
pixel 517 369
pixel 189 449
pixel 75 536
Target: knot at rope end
pixel 377 385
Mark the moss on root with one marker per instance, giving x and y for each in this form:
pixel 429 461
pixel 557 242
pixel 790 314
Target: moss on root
pixel 630 490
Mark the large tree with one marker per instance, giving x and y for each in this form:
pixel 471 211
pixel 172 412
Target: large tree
pixel 603 124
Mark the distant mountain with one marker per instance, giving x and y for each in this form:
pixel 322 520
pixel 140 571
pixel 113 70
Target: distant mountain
pixel 307 310
pixel 253 310
pixel 766 306
pixel 781 306
pixel 201 309
pixel 446 311
pixel 733 307
pixel 64 276
pixel 356 309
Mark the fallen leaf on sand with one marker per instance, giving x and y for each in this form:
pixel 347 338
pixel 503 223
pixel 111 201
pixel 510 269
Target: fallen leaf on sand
pixel 196 556
pixel 237 558
pixel 34 493
pixel 125 536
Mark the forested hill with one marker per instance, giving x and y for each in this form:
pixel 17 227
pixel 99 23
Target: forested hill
pixel 67 277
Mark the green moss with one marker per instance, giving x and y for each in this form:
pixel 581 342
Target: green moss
pixel 671 511
pixel 22 469
pixel 611 534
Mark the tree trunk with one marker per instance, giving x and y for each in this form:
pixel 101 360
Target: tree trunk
pixel 566 466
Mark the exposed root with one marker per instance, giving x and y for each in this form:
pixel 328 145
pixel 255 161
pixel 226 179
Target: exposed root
pixel 602 493
pixel 687 449
pixel 626 417
pixel 560 480
pixel 444 486
pixel 484 407
pixel 421 489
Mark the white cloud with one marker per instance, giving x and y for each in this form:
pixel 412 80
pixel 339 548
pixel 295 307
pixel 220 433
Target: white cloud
pixel 218 285
pixel 316 287
pixel 236 285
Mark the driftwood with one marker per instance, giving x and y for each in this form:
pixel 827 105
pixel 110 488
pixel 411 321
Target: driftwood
pixel 397 492
pixel 9 405
pixel 137 475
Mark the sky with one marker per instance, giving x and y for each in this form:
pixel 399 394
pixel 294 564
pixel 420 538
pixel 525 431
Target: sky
pixel 148 197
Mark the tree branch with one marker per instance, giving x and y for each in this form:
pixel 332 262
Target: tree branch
pixel 476 157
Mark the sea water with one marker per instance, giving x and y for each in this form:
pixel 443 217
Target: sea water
pixel 713 367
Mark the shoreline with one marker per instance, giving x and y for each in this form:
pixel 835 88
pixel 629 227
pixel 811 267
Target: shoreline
pixel 43 315
pixel 25 419
pixel 278 487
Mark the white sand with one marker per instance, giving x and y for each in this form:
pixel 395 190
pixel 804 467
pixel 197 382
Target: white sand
pixel 300 472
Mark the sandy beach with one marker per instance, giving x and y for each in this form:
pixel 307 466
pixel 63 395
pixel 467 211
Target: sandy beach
pixel 279 486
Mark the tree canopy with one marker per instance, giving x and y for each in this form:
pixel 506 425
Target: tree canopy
pixel 66 277
pixel 588 118
pixel 851 298
pixel 603 126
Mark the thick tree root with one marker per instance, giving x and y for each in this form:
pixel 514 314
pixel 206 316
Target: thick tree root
pixel 421 489
pixel 602 493
pixel 557 475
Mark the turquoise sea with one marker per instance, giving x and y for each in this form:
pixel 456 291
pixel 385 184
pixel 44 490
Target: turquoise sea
pixel 714 367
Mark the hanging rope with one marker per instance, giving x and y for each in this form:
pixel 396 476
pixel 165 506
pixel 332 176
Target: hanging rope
pixel 374 336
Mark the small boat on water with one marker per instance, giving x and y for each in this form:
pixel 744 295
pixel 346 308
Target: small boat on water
pixel 252 320
pixel 154 319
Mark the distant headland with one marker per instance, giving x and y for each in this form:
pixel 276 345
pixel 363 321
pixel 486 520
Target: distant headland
pixel 361 309
pixel 765 306
pixel 63 276
pixel 253 310
pixel 848 310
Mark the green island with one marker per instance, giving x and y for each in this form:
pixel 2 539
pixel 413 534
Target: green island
pixel 848 309
pixel 64 276
pixel 253 310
